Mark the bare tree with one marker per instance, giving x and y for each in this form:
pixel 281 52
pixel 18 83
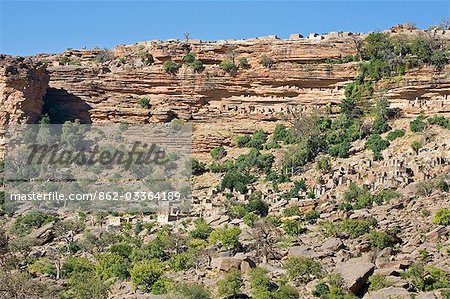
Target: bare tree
pixel 358 46
pixel 305 124
pixel 187 36
pixel 266 235
pixel 444 24
pixel 68 229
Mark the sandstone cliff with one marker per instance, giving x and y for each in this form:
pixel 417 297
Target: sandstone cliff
pixel 100 86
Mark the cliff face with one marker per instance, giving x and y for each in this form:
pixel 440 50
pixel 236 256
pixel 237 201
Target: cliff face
pixel 98 86
pixel 23 85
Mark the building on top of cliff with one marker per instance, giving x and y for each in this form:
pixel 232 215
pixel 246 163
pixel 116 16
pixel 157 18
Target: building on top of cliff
pixel 268 37
pixel 315 36
pixel 295 36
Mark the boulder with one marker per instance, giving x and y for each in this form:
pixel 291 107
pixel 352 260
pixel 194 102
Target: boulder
pixel 301 250
pixel 226 263
pixel 43 234
pixel 426 295
pixel 355 273
pixel 390 292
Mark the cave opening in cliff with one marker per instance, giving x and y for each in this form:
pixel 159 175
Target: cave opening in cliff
pixel 61 106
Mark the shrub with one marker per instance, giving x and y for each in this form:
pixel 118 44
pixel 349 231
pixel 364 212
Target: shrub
pixel 197 66
pixel 259 281
pixel 76 265
pixel 385 195
pixel 303 269
pixel 324 164
pixel 392 135
pixel 144 274
pixel 181 262
pixel 292 211
pixel 243 140
pixel 103 56
pixel 243 63
pixel 266 62
pixel 418 124
pixel 161 286
pixel 171 67
pixel 202 230
pixel 231 285
pixel 218 153
pixel 198 167
pixel 426 278
pixel 378 282
pixel 421 47
pixel 257 140
pixel 43 266
pixel 191 291
pixel 416 145
pixel 144 102
pixel 442 185
pixel 377 145
pixel 442 121
pixel 86 286
pixel 228 66
pixel 381 240
pixel 123 249
pixel 312 216
pixel 380 126
pixel 111 265
pixel 258 206
pixel 293 227
pixel 375 69
pixel 439 59
pixel 236 181
pixel 31 220
pixel 226 236
pixel 189 58
pixel 442 217
pixel 351 228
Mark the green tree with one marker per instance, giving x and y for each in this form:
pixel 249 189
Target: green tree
pixel 303 269
pixel 231 285
pixel 86 286
pixel 421 47
pixel 171 67
pixel 189 58
pixel 442 217
pixel 238 181
pixel 381 240
pixel 218 153
pixel 111 265
pixel 324 164
pixel 416 145
pixel 190 291
pixel 201 229
pixel 439 59
pixel 198 167
pixel 145 273
pixel 227 237
pixel 228 66
pixel 76 265
pixel 418 124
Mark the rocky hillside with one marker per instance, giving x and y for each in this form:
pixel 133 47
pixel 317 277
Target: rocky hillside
pixel 321 169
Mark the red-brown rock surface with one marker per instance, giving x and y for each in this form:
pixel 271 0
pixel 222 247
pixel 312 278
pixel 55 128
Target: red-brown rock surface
pixel 101 86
